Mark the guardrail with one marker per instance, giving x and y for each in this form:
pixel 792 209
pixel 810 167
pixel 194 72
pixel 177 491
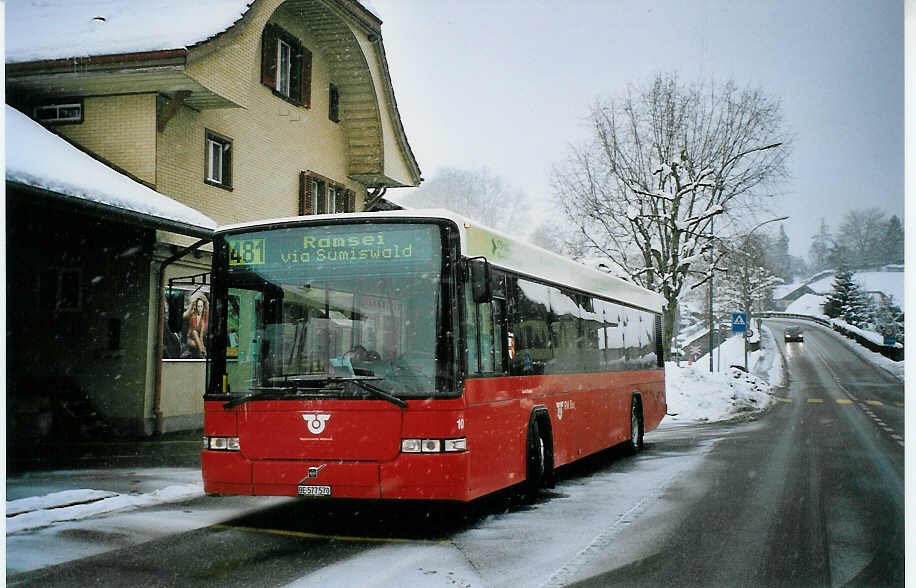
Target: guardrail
pixel 892 352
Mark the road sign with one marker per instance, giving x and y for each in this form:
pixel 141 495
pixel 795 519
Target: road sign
pixel 739 322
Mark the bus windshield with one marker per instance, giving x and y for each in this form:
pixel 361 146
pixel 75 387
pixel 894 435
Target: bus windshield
pixel 331 311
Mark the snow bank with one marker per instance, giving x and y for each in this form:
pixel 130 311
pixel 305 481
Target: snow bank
pixel 72 505
pixel 696 395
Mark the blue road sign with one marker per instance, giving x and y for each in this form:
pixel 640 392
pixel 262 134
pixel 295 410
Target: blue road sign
pixel 739 322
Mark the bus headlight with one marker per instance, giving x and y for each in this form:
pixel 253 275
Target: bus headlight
pixel 222 443
pixel 434 445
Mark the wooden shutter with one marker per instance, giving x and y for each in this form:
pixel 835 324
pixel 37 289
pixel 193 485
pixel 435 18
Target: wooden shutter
pixel 305 202
pixel 305 78
pixel 269 56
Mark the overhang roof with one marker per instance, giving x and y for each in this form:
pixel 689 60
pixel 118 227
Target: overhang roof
pixel 37 160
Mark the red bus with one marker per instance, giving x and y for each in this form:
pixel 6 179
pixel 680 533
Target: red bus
pixel 416 355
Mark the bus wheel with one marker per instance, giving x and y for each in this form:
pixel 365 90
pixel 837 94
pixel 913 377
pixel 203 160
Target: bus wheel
pixel 536 456
pixel 635 443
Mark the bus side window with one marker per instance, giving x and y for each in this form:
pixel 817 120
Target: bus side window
pixel 470 314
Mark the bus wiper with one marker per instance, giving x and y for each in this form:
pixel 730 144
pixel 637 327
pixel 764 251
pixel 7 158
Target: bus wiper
pixel 259 393
pixel 362 383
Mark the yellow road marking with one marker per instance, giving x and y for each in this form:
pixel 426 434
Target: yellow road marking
pixel 784 399
pixel 874 402
pixel 843 401
pixel 815 400
pixel 304 535
pixel 900 404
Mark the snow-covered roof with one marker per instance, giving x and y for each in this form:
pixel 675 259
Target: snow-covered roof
pixel 503 251
pixel 55 29
pixel 37 158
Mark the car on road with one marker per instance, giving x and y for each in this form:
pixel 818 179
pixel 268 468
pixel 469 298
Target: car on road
pixel 794 334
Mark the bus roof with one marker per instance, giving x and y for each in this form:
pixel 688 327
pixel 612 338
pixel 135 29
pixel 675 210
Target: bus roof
pixel 500 249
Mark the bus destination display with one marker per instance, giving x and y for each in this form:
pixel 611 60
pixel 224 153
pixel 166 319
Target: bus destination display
pixel 326 246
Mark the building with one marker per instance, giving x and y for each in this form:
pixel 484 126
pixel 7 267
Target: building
pixel 232 110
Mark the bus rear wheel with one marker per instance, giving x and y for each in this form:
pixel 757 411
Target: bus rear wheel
pixel 635 442
pixel 538 459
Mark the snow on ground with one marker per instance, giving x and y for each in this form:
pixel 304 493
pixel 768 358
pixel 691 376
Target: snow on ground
pixel 71 505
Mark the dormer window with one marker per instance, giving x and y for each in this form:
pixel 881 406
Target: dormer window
pixel 286 66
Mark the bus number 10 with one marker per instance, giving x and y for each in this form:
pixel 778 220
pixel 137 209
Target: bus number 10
pixel 246 252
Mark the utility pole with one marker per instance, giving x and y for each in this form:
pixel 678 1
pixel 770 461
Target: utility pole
pixel 712 271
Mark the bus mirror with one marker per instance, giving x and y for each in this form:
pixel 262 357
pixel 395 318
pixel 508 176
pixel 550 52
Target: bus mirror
pixel 480 279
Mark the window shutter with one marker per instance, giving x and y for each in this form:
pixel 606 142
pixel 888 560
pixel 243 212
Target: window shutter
pixel 305 79
pixel 340 201
pixel 305 202
pixel 269 57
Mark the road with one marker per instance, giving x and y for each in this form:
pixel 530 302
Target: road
pixel 811 494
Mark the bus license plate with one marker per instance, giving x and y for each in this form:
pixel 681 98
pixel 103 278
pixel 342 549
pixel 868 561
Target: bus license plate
pixel 314 490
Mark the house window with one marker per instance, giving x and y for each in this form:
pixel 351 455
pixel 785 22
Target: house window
pixel 333 103
pixel 286 66
pixel 69 112
pixel 332 198
pixel 218 161
pixel 320 195
pixel 283 67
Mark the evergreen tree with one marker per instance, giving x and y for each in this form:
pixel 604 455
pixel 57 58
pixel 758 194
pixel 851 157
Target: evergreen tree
pixel 847 301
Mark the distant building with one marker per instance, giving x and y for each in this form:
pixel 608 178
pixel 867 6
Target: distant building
pixel 280 108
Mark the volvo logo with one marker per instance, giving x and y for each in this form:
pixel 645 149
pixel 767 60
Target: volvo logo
pixel 316 422
pixel 313 471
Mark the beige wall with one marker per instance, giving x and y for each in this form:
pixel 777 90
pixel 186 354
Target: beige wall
pixel 272 139
pixel 182 394
pixel 122 130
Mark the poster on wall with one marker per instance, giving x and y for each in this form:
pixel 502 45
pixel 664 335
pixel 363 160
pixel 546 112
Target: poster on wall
pixel 190 341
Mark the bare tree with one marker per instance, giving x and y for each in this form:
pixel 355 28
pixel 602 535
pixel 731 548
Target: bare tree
pixel 664 160
pixel 861 233
pixel 478 194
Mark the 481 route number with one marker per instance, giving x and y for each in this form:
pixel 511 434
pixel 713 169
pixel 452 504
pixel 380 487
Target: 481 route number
pixel 246 252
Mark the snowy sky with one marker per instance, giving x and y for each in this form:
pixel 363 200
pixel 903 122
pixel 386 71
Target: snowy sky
pixel 507 84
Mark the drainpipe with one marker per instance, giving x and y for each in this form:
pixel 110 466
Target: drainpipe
pixel 157 402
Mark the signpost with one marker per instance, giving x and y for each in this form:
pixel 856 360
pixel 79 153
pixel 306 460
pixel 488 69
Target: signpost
pixel 739 325
pixel 739 322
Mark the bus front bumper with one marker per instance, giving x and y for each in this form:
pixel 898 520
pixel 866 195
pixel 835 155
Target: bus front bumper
pixel 437 476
